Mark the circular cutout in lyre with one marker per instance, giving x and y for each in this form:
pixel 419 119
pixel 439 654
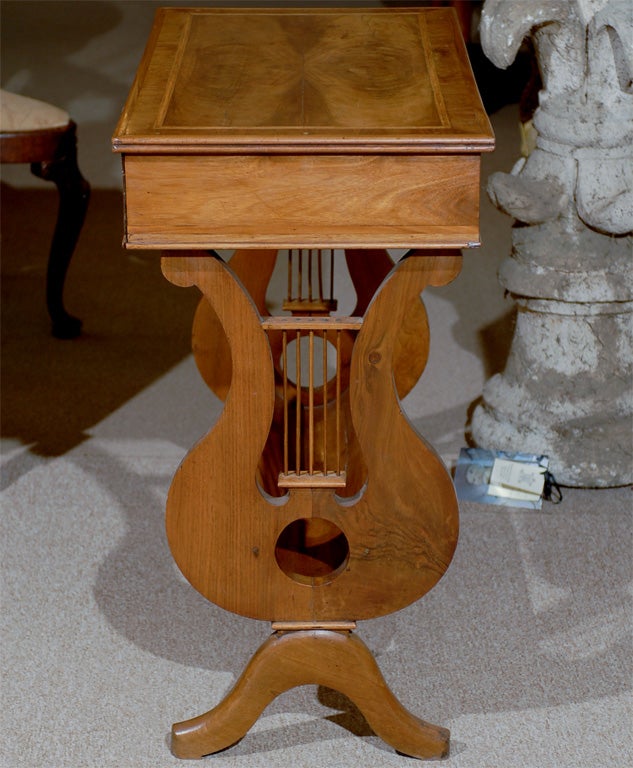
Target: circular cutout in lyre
pixel 312 357
pixel 312 551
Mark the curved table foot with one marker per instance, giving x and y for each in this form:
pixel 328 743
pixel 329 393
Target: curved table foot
pixel 333 659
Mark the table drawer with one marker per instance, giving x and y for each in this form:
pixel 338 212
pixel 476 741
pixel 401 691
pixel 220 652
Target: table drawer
pixel 219 201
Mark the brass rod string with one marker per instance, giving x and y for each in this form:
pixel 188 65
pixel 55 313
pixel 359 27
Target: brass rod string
pixel 298 408
pixel 324 401
pixel 332 273
pixel 320 272
pixel 285 367
pixel 311 403
pixel 338 402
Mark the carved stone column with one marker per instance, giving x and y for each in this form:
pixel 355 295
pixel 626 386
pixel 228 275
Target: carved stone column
pixel 566 389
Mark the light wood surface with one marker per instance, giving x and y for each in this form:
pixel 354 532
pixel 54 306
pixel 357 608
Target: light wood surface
pixel 272 80
pixel 401 530
pixel 294 128
pixel 284 201
pixel 338 660
pixel 312 503
pixel 367 269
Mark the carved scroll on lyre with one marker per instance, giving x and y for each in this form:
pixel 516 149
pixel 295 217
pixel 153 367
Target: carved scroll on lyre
pixel 211 349
pixel 367 270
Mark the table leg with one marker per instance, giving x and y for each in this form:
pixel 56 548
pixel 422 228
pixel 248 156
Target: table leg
pixel 74 194
pixel 334 659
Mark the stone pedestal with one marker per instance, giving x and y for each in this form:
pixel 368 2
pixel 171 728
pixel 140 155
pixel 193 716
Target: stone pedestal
pixel 566 389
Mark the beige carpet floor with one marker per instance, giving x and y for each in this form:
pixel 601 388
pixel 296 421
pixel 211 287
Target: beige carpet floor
pixel 524 648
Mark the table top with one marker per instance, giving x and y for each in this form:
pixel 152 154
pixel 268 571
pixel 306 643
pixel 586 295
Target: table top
pixel 283 81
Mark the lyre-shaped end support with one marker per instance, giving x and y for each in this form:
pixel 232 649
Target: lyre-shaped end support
pixel 333 659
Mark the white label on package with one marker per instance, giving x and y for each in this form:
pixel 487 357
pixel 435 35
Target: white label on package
pixel 518 476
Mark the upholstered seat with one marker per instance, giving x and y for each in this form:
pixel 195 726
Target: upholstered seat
pixel 21 113
pixel 32 131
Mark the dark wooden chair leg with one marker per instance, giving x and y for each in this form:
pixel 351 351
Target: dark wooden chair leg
pixel 74 194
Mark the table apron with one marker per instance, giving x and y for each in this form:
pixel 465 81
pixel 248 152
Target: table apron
pixel 210 201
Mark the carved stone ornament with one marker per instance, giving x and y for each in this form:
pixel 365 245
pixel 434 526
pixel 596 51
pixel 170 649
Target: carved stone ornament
pixel 566 389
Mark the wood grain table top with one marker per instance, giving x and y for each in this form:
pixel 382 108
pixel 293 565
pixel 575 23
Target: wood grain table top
pixel 337 80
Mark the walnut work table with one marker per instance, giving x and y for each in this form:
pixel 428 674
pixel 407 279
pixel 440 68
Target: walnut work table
pixel 312 503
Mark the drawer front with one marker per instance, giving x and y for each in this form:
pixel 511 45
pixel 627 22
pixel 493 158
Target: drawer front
pixel 258 201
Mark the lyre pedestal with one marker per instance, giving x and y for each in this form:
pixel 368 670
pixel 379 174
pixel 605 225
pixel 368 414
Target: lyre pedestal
pixel 312 503
pixel 333 658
